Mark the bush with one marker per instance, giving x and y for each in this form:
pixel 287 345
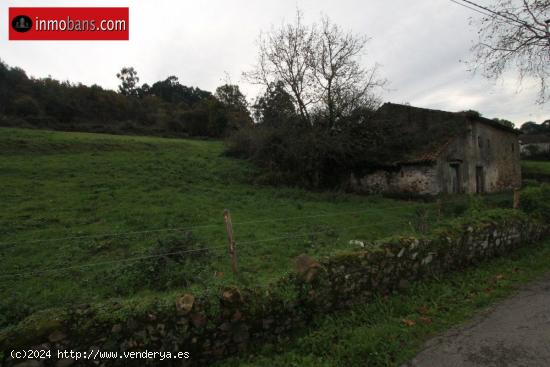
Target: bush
pixel 473 205
pixel 25 106
pixel 528 182
pixel 240 143
pixel 13 310
pixel 308 156
pixel 536 201
pixel 174 262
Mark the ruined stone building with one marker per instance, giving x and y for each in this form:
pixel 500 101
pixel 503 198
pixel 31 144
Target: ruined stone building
pixel 443 152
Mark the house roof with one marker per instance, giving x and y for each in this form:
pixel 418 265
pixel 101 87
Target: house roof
pixel 420 135
pixel 533 139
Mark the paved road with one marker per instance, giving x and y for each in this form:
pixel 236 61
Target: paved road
pixel 513 333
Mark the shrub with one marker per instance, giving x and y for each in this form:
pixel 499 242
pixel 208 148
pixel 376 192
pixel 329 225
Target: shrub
pixel 308 156
pixel 528 182
pixel 13 310
pixel 240 143
pixel 536 201
pixel 455 209
pixel 472 205
pixel 173 262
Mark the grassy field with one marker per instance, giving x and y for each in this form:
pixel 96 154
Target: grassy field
pixel 86 217
pixel 391 330
pixel 59 188
pixel 536 167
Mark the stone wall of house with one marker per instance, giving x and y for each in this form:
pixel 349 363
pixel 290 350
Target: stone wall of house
pixel 411 179
pixel 214 326
pixel 499 155
pixel 496 152
pixel 372 183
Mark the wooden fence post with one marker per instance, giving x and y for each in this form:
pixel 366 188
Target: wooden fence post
pixel 517 198
pixel 231 239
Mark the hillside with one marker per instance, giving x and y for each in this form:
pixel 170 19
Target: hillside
pixel 88 217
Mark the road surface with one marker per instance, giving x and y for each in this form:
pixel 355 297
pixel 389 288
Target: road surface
pixel 512 333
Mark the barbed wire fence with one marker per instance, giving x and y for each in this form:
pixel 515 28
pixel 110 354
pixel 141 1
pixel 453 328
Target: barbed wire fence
pixel 8 244
pixel 240 255
pixel 232 244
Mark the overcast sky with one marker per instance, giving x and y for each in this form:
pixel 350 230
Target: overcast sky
pixel 419 45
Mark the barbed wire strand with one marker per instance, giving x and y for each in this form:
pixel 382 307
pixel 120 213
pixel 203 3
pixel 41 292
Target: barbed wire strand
pixel 56 269
pixel 175 229
pixel 188 228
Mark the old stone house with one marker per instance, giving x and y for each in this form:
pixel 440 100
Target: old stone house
pixel 443 152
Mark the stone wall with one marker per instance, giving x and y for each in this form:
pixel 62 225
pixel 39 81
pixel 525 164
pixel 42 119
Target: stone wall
pixel 498 153
pixel 214 326
pixel 418 179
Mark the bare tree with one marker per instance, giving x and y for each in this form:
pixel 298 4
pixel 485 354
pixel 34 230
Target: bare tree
pixel 343 83
pixel 283 56
pixel 319 66
pixel 513 35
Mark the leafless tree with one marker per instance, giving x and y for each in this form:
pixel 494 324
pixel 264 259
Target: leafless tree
pixel 343 84
pixel 283 56
pixel 513 35
pixel 319 66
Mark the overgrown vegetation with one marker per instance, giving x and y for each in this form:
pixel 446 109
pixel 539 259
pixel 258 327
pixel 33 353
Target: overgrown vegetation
pixel 536 201
pixel 170 263
pixel 311 157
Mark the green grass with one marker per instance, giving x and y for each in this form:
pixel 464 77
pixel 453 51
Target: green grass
pixel 536 167
pixel 58 185
pixel 391 330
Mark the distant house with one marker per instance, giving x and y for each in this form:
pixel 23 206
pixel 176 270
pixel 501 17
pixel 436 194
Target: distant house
pixel 443 152
pixel 533 145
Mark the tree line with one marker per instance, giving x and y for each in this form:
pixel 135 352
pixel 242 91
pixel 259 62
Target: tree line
pixel 532 128
pixel 166 108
